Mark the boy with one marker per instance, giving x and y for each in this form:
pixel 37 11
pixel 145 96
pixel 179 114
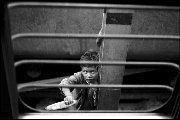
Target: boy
pixel 89 74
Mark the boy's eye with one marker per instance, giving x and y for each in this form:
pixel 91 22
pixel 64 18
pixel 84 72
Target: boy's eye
pixel 92 72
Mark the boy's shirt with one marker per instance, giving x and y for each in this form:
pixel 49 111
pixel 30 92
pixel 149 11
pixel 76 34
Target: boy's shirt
pixel 86 97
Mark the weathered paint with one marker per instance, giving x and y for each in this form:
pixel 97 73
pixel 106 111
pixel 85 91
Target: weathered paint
pixel 113 50
pixel 58 20
pixel 53 20
pixel 154 22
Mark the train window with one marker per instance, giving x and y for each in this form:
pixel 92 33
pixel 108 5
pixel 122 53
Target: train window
pixel 138 54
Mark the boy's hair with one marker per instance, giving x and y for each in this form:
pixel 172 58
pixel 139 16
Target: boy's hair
pixel 90 55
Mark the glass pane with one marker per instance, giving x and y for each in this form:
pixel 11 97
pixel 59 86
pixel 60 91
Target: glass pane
pixel 95 21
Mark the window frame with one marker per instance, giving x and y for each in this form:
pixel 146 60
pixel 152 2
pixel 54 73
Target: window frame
pixel 170 109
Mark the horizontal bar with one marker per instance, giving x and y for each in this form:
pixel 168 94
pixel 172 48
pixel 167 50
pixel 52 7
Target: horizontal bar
pixel 18 63
pixel 83 5
pixel 61 35
pixel 94 111
pixel 95 86
pixel 114 86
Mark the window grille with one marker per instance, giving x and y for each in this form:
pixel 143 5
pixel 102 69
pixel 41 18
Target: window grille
pixel 103 6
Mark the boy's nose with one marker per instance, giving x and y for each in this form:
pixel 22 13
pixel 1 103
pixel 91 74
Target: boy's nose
pixel 89 75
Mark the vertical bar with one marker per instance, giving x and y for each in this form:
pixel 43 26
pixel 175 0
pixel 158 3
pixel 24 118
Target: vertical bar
pixel 117 22
pixel 9 65
pixel 8 60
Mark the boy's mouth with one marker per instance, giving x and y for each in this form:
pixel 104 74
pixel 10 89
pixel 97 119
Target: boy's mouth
pixel 89 80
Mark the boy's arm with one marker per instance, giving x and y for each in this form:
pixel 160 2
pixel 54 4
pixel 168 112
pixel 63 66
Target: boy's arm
pixel 68 81
pixel 74 79
pixel 66 91
pixel 69 97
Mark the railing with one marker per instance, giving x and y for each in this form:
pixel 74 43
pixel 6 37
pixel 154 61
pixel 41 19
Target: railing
pixel 60 35
pixel 21 87
pixel 165 64
pixel 176 66
pixel 95 86
pixel 103 6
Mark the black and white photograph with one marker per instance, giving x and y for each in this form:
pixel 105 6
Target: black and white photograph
pixel 90 60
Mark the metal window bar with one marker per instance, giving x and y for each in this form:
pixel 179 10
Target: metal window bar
pixel 81 5
pixel 90 111
pixel 94 86
pixel 21 87
pixel 103 62
pixel 61 35
pixel 168 64
pixel 97 86
pixel 12 5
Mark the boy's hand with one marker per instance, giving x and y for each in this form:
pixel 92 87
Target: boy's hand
pixel 68 100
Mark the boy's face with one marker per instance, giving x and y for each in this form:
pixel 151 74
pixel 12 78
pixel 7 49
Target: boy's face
pixel 90 74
